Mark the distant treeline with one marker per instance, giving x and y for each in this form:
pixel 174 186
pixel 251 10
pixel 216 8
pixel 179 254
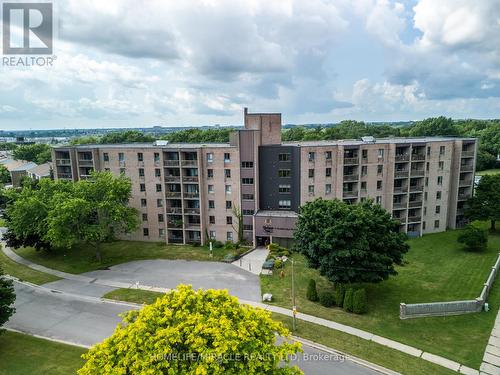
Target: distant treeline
pixel 488 132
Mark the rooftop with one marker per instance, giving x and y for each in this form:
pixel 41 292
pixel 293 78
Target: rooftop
pixel 359 142
pixel 150 145
pixel 24 167
pixel 276 213
pixel 41 170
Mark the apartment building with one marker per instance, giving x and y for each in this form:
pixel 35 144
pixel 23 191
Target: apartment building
pixel 190 193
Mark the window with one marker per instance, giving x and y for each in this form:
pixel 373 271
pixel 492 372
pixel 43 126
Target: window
pixel 442 150
pixel 105 156
pixel 247 197
pixel 210 173
pixel 144 202
pixel 144 217
pixel 210 157
pixel 440 180
pixel 441 165
pixel 328 172
pixel 436 223
pixel 161 219
pixel 284 188
pixel 229 205
pixel 438 194
pixel 248 212
pixel 428 150
pixel 161 232
pixel 380 153
pixel 229 220
pixel 364 170
pixel 427 165
pixel 363 185
pixel 285 204
pixel 247 164
pixel 311 173
pixel 158 188
pixel 157 172
pixel 227 173
pixel 156 157
pixel 211 219
pixel 140 156
pixel 212 235
pixel 364 154
pixel 121 156
pixel 423 225
pixel 328 189
pixel 283 157
pixel 425 196
pixel 247 227
pixel 228 189
pixel 142 187
pixel 210 189
pixel 425 210
pixel 211 204
pixel 311 156
pixel 159 202
pixel 141 172
pixel 328 155
pixel 378 199
pixel 229 236
pixel 145 232
pixel 310 189
pixel 380 169
pixel 438 209
pixel 427 181
pixel 284 173
pixel 379 185
pixel 227 157
pixel 247 181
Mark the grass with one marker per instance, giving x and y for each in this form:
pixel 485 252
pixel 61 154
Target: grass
pixel 82 258
pixel 368 350
pixel 133 295
pixel 437 269
pixel 344 342
pixel 2 222
pixel 24 354
pixel 488 171
pixel 23 272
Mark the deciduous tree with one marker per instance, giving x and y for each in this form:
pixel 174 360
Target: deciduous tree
pixel 485 204
pixel 7 298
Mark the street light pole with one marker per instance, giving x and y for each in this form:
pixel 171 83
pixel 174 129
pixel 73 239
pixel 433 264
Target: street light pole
pixel 294 309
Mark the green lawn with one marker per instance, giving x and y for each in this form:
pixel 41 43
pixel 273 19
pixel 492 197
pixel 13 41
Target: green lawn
pixel 438 269
pixel 82 258
pixel 24 273
pixel 2 222
pixel 133 295
pixel 23 354
pixel 488 171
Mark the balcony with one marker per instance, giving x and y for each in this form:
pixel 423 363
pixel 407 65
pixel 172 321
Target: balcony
pixel 190 195
pixel 192 226
pixel 404 157
pixel 401 174
pixel 85 163
pixel 175 224
pixel 190 163
pixel 175 240
pixel 64 175
pixel 417 157
pixel 172 178
pixel 190 179
pixel 63 161
pixel 417 172
pixel 351 161
pixel 350 194
pixel 460 211
pixel 351 177
pixel 399 205
pixel 402 219
pixel 463 196
pixel 414 219
pixel 173 194
pixel 465 182
pixel 416 188
pixel 468 154
pixel 192 211
pixel 400 189
pixel 174 210
pixel 415 203
pixel 466 168
pixel 171 163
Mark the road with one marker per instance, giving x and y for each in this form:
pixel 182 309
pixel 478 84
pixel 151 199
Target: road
pixel 87 320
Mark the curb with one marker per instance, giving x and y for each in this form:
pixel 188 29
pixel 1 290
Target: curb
pixel 47 338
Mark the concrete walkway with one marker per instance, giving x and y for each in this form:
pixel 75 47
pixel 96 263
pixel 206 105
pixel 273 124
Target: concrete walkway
pixel 491 358
pixel 438 360
pixel 253 261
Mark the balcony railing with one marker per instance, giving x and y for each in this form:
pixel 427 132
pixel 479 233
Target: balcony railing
pixel 414 188
pixel 464 196
pixel 418 157
pixel 468 154
pixel 466 168
pixel 192 226
pixel 191 195
pixel 174 210
pixel 399 205
pixel 400 174
pixel 460 211
pixel 174 224
pixel 63 161
pixel 401 219
pixel 414 219
pixel 64 175
pixel 175 240
pixel 171 163
pixel 417 172
pixel 400 189
pixel 415 203
pixel 466 182
pixel 351 161
pixel 192 211
pixel 85 163
pixel 172 178
pixel 173 194
pixel 190 179
pixel 190 163
pixel 404 157
pixel 350 194
pixel 351 177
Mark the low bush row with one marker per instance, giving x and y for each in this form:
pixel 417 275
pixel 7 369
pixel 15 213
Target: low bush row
pixel 350 299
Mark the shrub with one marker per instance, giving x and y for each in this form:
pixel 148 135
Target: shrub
pixel 327 299
pixel 229 245
pixel 339 294
pixel 270 257
pixel 474 238
pixel 217 244
pixel 348 299
pixel 273 246
pixel 312 293
pixel 278 264
pixel 359 303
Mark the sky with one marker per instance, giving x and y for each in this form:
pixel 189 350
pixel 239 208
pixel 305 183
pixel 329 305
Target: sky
pixel 122 63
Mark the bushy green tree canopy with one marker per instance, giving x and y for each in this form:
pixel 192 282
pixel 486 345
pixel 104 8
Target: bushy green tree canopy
pixel 194 332
pixel 485 204
pixel 38 152
pixel 349 243
pixel 7 298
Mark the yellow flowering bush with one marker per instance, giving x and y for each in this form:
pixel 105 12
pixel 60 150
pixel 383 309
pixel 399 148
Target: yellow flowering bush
pixel 189 331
